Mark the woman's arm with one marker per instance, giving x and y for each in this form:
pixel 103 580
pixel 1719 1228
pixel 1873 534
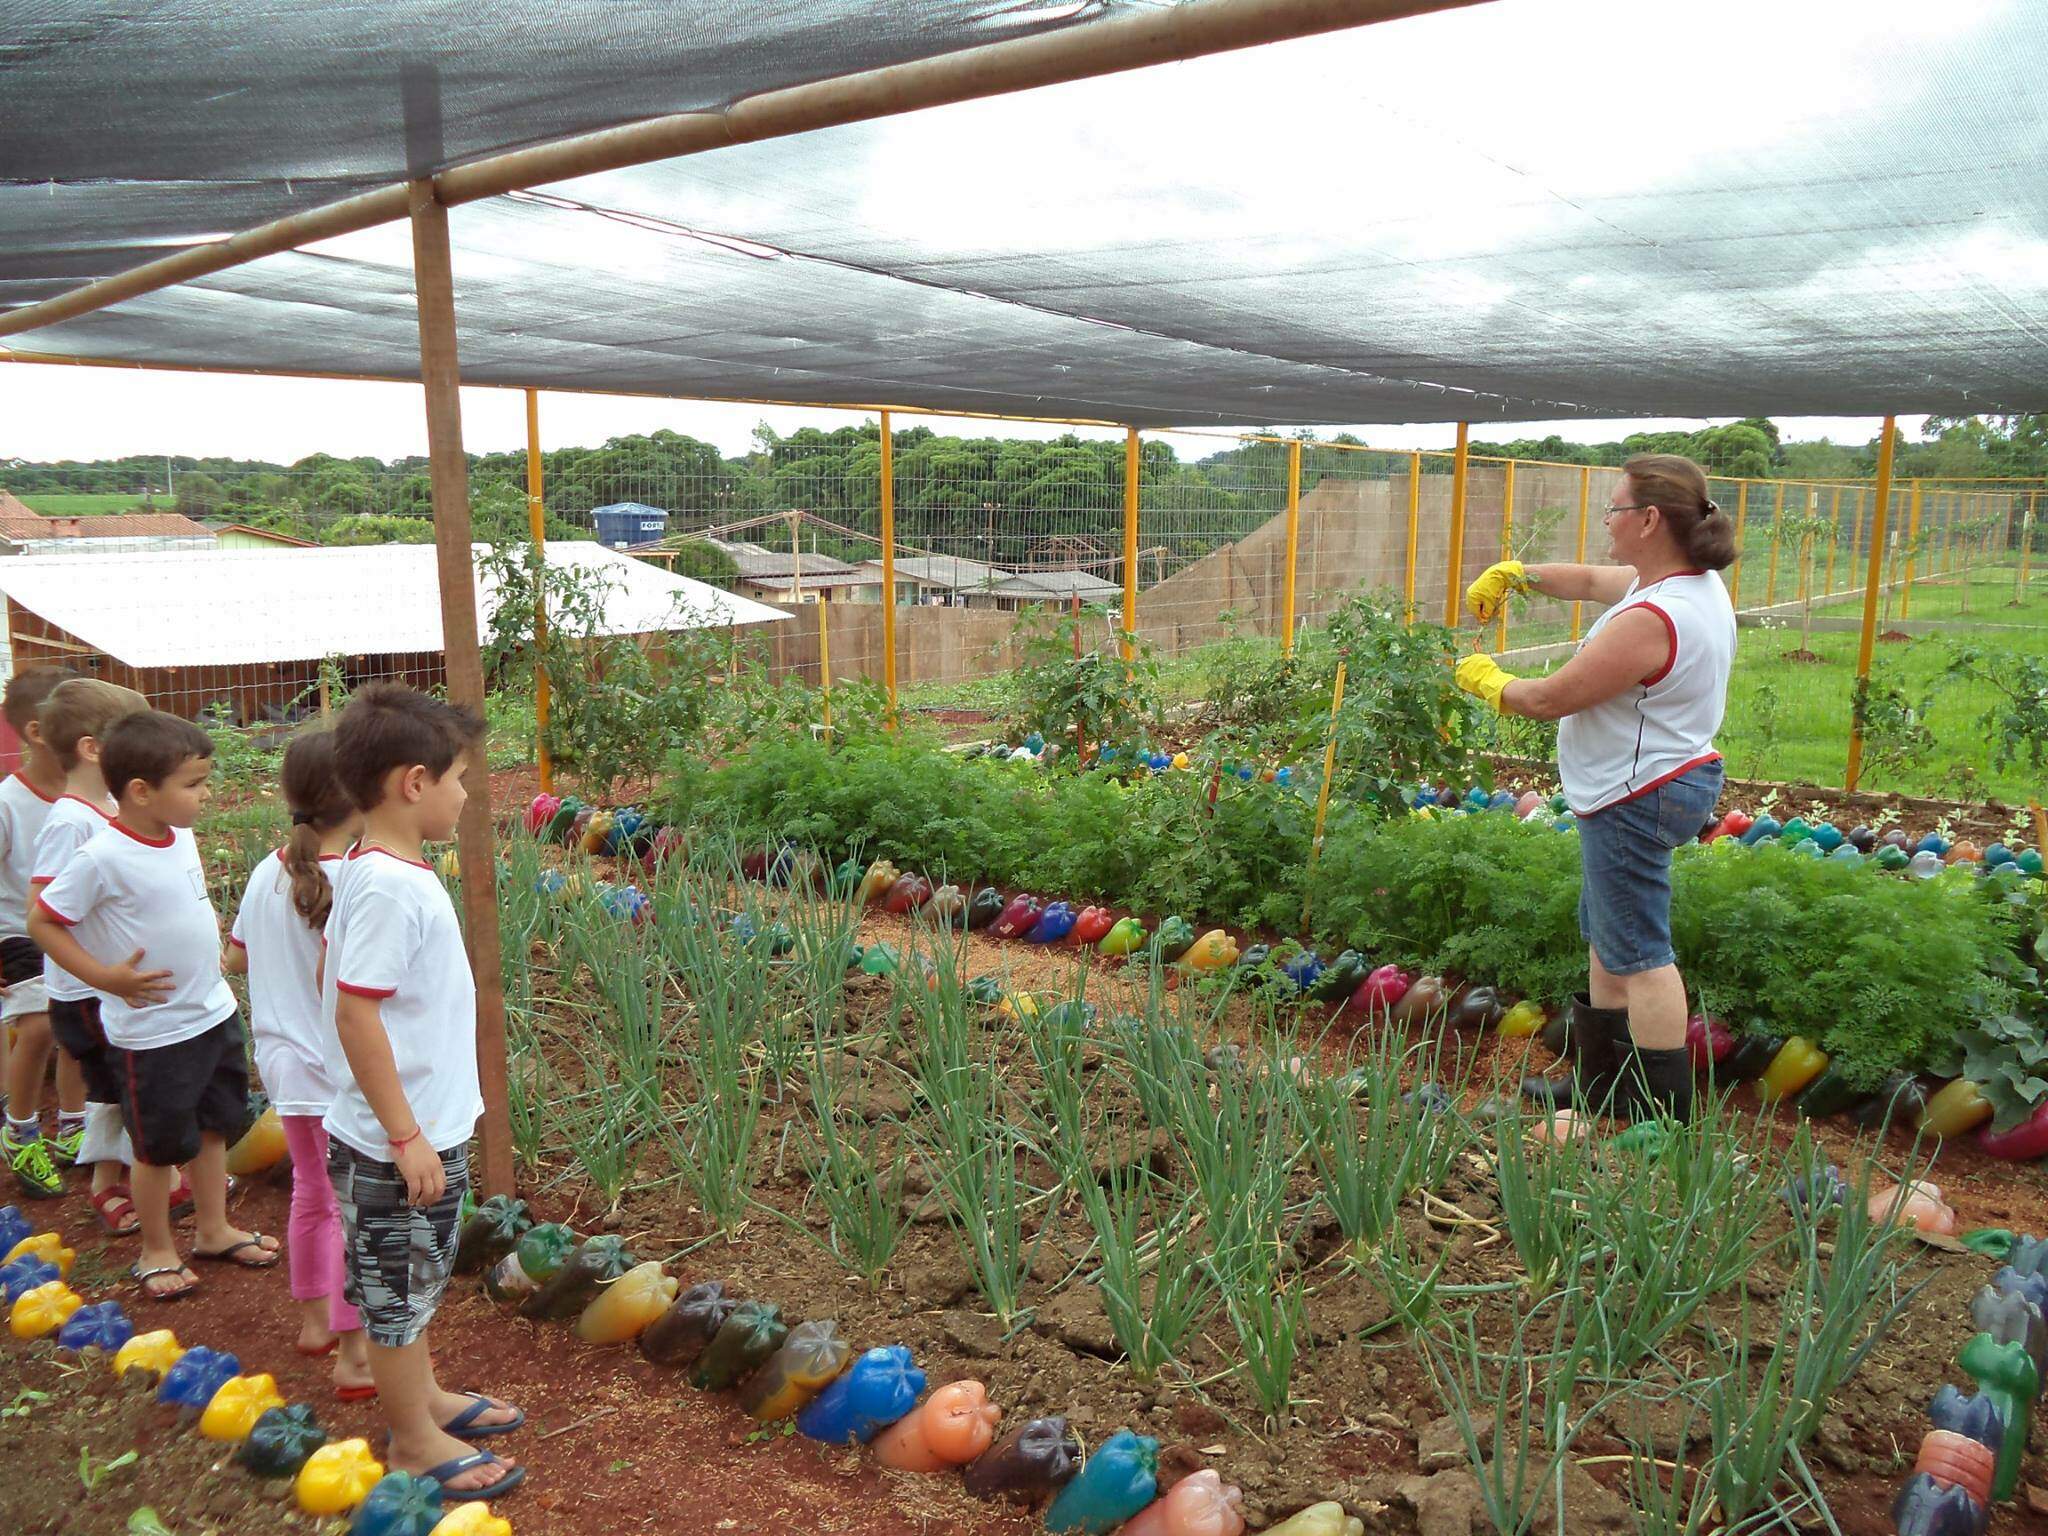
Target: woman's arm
pixel 1635 645
pixel 1582 583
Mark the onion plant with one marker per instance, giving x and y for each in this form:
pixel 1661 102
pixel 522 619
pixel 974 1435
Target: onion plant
pixel 1543 1196
pixel 855 1169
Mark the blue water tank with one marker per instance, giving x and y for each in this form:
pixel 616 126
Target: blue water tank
pixel 629 522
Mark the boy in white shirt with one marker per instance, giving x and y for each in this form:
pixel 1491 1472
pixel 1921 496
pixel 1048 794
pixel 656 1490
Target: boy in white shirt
pixel 399 1001
pixel 25 799
pixel 138 890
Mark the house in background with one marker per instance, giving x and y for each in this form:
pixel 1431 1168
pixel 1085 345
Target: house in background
pixel 23 532
pixel 781 575
pixel 1062 586
pixel 242 536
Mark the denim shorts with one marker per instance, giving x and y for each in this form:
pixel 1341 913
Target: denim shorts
pixel 1625 856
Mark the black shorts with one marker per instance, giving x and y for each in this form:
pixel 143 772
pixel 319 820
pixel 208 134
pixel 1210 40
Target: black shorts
pixel 171 1095
pixel 19 960
pixel 76 1029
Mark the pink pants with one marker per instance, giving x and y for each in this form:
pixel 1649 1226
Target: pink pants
pixel 314 1242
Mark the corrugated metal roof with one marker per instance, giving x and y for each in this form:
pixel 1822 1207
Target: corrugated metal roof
pixel 758 563
pixel 232 607
pixel 1033 585
pixel 949 571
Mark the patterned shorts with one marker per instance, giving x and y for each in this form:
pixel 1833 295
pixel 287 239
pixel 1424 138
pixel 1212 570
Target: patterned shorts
pixel 396 1256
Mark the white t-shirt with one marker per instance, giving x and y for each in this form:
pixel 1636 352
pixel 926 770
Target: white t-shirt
pixel 68 825
pixel 122 892
pixel 393 936
pixel 284 991
pixel 23 809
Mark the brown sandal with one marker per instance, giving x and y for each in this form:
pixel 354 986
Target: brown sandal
pixel 232 1254
pixel 116 1208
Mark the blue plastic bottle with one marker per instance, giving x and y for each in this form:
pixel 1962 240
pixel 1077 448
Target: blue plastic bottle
pixel 1120 1479
pixel 25 1274
pixel 2030 1256
pixel 1303 968
pixel 1926 1508
pixel 1970 1414
pixel 876 1390
pixel 1054 924
pixel 102 1326
pixel 14 1227
pixel 2011 1280
pixel 198 1374
pixel 2011 1318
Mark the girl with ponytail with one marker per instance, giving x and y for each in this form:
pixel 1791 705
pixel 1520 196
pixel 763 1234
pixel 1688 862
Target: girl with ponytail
pixel 276 940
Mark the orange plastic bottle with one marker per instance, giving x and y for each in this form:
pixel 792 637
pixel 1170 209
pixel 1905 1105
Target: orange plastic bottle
pixel 1200 1504
pixel 624 1308
pixel 948 1429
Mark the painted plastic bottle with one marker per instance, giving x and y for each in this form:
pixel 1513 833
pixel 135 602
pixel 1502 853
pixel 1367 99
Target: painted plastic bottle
pixel 155 1352
pixel 948 1429
pixel 24 1275
pixel 1091 926
pixel 233 1411
pixel 2012 1317
pixel 1031 1461
pixel 199 1373
pixel 596 1262
pixel 492 1230
pixel 1798 1062
pixel 1918 1204
pixel 985 906
pixel 1383 987
pixel 472 1519
pixel 398 1504
pixel 1968 1413
pixel 809 1360
pixel 2023 1143
pixel 1200 1504
pixel 1018 918
pixel 258 1149
pixel 1955 1108
pixel 1213 951
pixel 1526 1018
pixel 336 1477
pixel 1325 1519
pixel 279 1442
pixel 13 1227
pixel 877 1390
pixel 907 894
pixel 1926 1507
pixel 540 1251
pixel 874 885
pixel 627 1307
pixel 1957 1459
pixel 949 905
pixel 1126 936
pixel 40 1312
pixel 2005 1374
pixel 48 1247
pixel 1053 925
pixel 1117 1481
pixel 1175 937
pixel 679 1335
pixel 751 1332
pixel 102 1326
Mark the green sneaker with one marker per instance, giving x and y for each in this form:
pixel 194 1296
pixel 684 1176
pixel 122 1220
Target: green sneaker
pixel 33 1168
pixel 64 1146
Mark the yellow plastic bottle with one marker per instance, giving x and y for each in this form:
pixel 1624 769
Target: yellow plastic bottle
pixel 1522 1020
pixel 260 1149
pixel 472 1520
pixel 810 1359
pixel 874 885
pixel 48 1247
pixel 43 1310
pixel 337 1477
pixel 233 1411
pixel 154 1352
pixel 624 1308
pixel 1213 951
pixel 1325 1519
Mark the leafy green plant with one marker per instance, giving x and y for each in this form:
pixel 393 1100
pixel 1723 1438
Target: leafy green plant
pixel 2007 1058
pixel 92 1471
pixel 147 1522
pixel 1066 682
pixel 2017 722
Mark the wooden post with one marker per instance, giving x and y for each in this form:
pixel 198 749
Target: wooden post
pixel 1414 525
pixel 825 671
pixel 1872 579
pixel 537 530
pixel 1912 535
pixel 1771 575
pixel 1507 546
pixel 1131 467
pixel 1454 552
pixel 434 282
pixel 1315 847
pixel 1293 547
pixel 1741 527
pixel 326 703
pixel 1080 740
pixel 2027 541
pixel 1585 508
pixel 889 565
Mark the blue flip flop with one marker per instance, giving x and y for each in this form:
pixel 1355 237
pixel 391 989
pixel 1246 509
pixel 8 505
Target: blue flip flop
pixel 464 1425
pixel 448 1471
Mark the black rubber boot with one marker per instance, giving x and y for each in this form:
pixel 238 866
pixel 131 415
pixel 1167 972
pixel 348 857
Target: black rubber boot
pixel 1592 1036
pixel 1654 1084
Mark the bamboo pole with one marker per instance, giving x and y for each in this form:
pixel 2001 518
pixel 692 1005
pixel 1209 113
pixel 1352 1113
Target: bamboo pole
pixel 1912 536
pixel 1293 547
pixel 1128 41
pixel 1454 552
pixel 1771 576
pixel 1131 467
pixel 889 565
pixel 1585 508
pixel 1507 542
pixel 537 530
pixel 1873 578
pixel 434 283
pixel 1741 526
pixel 1414 527
pixel 825 672
pixel 1315 847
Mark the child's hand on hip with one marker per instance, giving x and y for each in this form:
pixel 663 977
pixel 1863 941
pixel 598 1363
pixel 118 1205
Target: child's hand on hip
pixel 137 988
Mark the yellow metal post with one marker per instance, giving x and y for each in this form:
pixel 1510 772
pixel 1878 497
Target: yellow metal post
pixel 1414 525
pixel 1293 547
pixel 1315 847
pixel 825 670
pixel 1771 576
pixel 1454 550
pixel 1872 578
pixel 1585 510
pixel 1741 525
pixel 1131 544
pixel 888 566
pixel 1912 536
pixel 537 530
pixel 1507 542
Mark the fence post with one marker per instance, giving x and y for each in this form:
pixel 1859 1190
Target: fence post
pixel 537 530
pixel 1741 523
pixel 1585 506
pixel 2027 540
pixel 1293 547
pixel 1414 525
pixel 1130 543
pixel 1454 550
pixel 888 566
pixel 1771 576
pixel 1872 577
pixel 1507 544
pixel 825 668
pixel 1912 535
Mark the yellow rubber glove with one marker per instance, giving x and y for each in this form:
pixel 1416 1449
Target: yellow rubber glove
pixel 1482 677
pixel 1486 595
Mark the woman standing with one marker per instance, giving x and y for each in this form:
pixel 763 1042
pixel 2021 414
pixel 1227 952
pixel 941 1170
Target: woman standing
pixel 1637 708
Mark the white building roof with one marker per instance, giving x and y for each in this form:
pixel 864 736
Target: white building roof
pixel 232 607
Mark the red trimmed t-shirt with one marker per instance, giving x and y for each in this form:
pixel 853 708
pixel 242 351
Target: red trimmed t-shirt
pixel 69 825
pixel 393 936
pixel 23 810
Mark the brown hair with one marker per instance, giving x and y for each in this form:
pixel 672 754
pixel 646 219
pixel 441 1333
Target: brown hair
pixel 1677 488
pixel 387 726
pixel 26 691
pixel 151 746
pixel 84 706
pixel 318 805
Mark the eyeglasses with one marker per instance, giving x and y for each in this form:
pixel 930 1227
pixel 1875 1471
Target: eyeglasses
pixel 1642 506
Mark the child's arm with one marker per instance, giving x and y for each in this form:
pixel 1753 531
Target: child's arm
pixel 234 960
pixel 137 988
pixel 359 1021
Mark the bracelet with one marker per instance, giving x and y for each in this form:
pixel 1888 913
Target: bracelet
pixel 403 1142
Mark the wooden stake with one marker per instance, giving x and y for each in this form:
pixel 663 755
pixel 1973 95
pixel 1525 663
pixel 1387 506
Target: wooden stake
pixel 1414 526
pixel 1585 508
pixel 888 489
pixel 455 561
pixel 1293 547
pixel 1131 469
pixel 1315 847
pixel 1871 581
pixel 537 530
pixel 825 670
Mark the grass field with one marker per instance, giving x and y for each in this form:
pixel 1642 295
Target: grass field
pixel 81 503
